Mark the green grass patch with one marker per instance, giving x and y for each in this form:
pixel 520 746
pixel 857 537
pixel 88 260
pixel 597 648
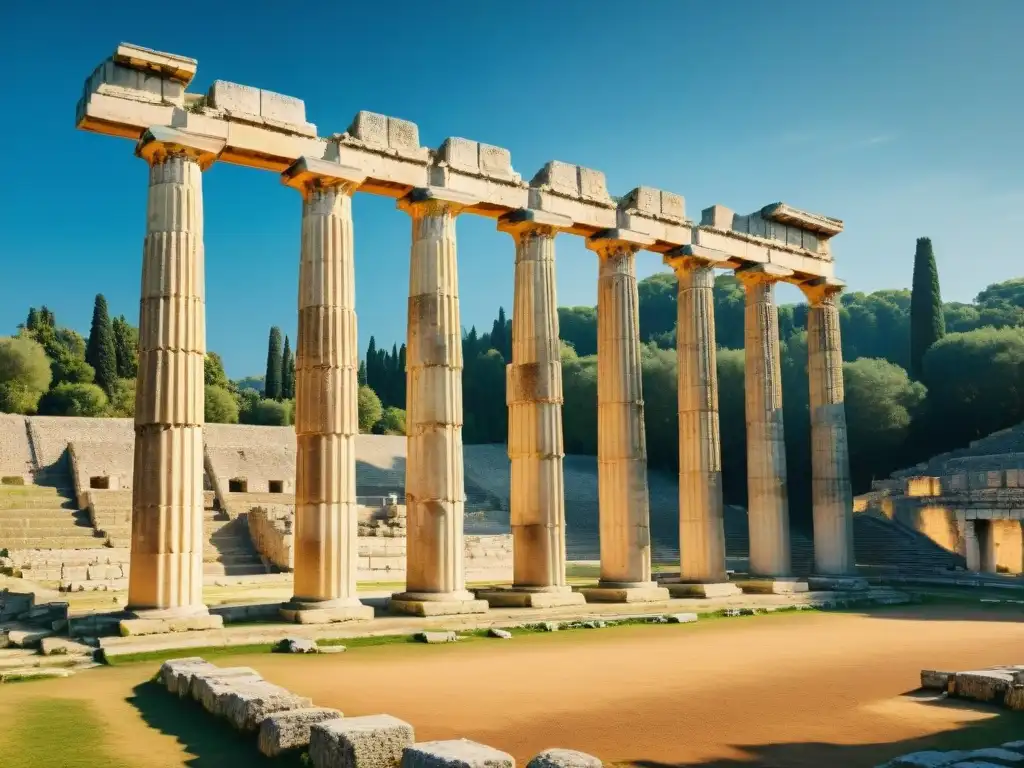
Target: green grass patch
pixel 55 733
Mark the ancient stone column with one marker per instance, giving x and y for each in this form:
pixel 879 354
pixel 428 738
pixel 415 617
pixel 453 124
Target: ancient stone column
pixel 767 503
pixel 621 441
pixel 701 522
pixel 830 456
pixel 434 484
pixel 971 546
pixel 166 578
pixel 534 395
pixel 326 398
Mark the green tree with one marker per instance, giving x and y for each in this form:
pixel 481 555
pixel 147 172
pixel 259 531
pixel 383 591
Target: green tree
pixel 287 371
pixel 220 405
pixel 100 352
pixel 927 324
pixel 272 387
pixel 579 411
pixel 213 372
pixel 122 399
pixel 975 385
pixel 370 409
pixel 74 400
pixel 732 424
pixel 578 326
pixel 33 319
pixel 661 406
pixel 126 347
pixel 253 383
pixel 392 422
pixel 372 372
pixel 657 309
pixel 24 374
pixel 272 413
pixel 248 404
pixel 881 400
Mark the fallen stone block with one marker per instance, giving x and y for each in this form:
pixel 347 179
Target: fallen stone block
pixel 564 758
pixel 934 680
pixel 27 637
pixel 202 688
pixel 373 741
pixel 246 706
pixel 434 638
pixel 177 674
pixel 332 649
pixel 62 646
pixel 550 626
pixel 982 685
pixel 285 731
pixel 32 673
pixel 297 645
pixel 457 753
pixel 503 634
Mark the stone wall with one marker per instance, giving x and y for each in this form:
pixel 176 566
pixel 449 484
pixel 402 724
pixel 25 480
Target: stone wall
pixel 15 452
pixel 271 533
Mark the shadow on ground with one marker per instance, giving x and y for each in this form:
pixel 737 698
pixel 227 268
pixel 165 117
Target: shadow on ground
pixel 1002 727
pixel 211 742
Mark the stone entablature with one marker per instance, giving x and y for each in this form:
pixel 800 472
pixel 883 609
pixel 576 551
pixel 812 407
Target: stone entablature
pixel 137 88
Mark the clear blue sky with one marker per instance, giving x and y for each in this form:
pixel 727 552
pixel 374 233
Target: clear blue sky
pixel 902 118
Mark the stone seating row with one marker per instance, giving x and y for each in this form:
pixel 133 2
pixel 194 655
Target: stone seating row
pixel 288 723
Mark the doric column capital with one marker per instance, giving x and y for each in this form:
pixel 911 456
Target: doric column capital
pixel 307 174
pixel 433 201
pixel 822 290
pixel 161 142
pixel 617 242
pixel 756 274
pixel 690 257
pixel 527 221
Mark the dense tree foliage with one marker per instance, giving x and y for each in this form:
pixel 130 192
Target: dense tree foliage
pixel 220 406
pixel 24 374
pixel 287 371
pixel 126 347
pixel 69 399
pixel 370 409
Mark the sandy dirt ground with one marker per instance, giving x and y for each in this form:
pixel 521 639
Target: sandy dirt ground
pixel 782 690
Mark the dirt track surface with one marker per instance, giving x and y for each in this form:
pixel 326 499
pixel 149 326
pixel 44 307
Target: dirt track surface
pixel 775 690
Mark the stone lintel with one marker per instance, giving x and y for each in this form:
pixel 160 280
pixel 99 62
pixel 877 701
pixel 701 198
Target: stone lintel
pixel 310 171
pixel 821 287
pixel 180 68
pixel 695 254
pixel 612 238
pixel 422 195
pixel 757 273
pixel 160 140
pixel 513 221
pixel 477 159
pixel 814 222
pixel 385 135
pixel 574 182
pixel 652 203
pixel 718 217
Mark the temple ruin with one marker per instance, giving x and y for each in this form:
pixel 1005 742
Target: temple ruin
pixel 141 94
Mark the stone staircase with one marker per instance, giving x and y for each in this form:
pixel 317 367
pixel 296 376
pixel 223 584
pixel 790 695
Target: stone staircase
pixel 43 517
pixel 228 549
pixel 892 546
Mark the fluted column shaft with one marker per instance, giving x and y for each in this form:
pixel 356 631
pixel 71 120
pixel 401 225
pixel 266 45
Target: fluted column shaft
pixel 326 400
pixel 701 525
pixel 167 489
pixel 768 503
pixel 621 441
pixel 830 458
pixel 534 397
pixel 434 485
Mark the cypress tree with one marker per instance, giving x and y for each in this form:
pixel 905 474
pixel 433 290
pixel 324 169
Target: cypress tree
pixel 287 371
pixel 33 319
pixel 371 364
pixel 927 324
pixel 401 377
pixel 272 385
pixel 100 352
pixel 361 374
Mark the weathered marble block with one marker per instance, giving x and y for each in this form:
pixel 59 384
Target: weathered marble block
pixel 284 731
pixel 177 674
pixel 247 706
pixel 564 758
pixel 934 680
pixel 457 753
pixel 373 741
pixel 203 683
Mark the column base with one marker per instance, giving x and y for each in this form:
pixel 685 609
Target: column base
pixel 530 597
pixel 160 621
pixel 436 603
pixel 631 592
pixel 326 611
pixel 837 584
pixel 772 585
pixel 703 589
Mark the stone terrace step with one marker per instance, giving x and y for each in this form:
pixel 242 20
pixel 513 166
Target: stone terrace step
pixel 36 491
pixel 87 541
pixel 39 526
pixel 30 503
pixel 222 569
pixel 51 513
